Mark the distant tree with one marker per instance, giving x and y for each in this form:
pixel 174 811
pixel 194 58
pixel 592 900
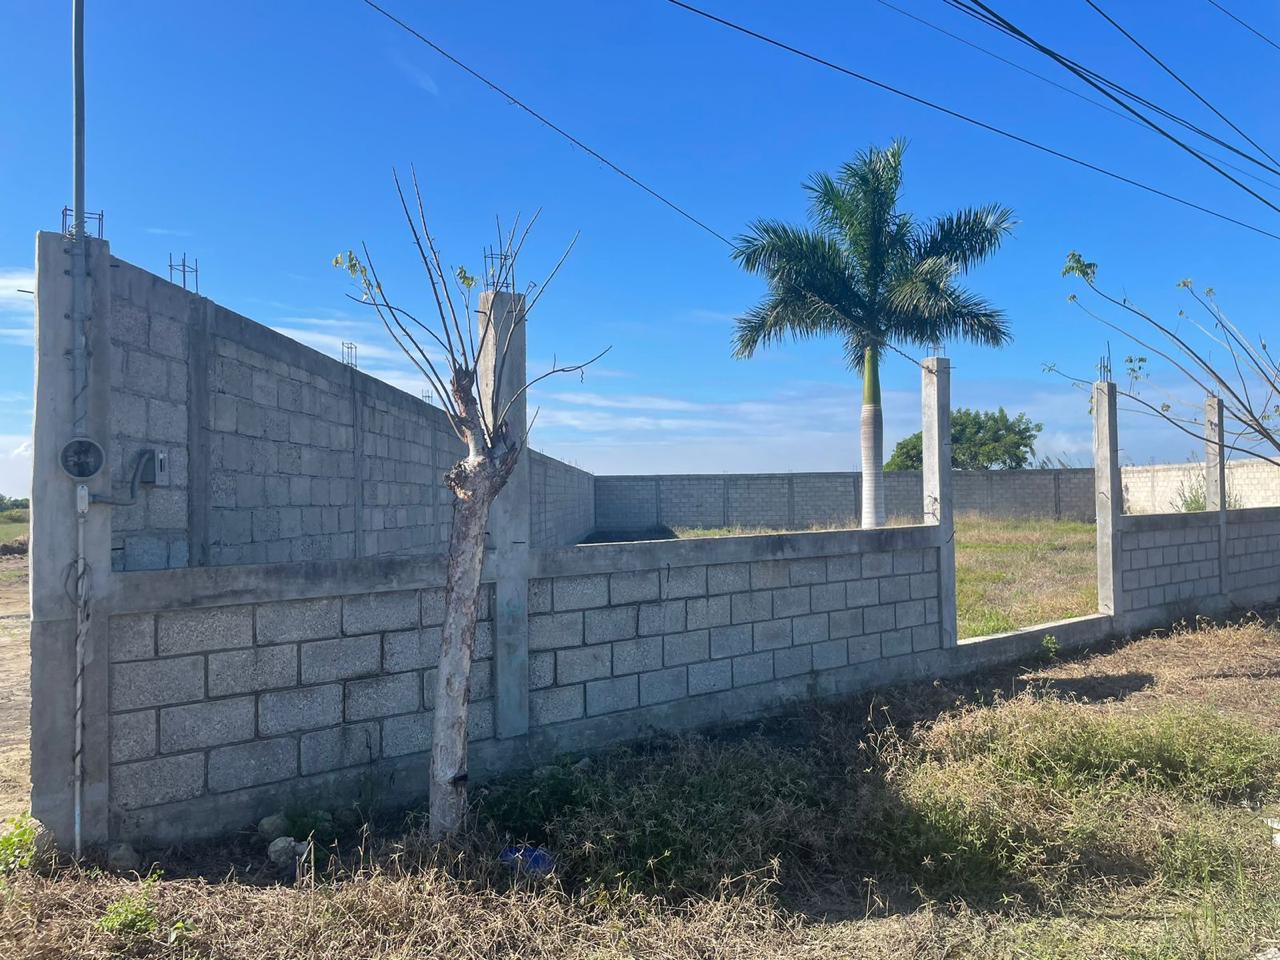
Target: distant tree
pixel 980 440
pixel 875 277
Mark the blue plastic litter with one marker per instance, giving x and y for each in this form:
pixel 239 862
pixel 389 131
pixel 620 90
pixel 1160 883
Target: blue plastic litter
pixel 527 858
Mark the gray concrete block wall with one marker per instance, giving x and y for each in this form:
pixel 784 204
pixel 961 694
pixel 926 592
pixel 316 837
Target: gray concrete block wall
pixel 234 691
pixel 281 460
pixel 1158 488
pixel 562 502
pixel 799 501
pixel 407 447
pixel 208 705
pixel 1253 553
pixel 278 453
pixel 149 361
pixel 1169 562
pixel 633 636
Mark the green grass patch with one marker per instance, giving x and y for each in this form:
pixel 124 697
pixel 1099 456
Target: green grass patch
pixel 1040 798
pixel 1029 799
pixel 675 817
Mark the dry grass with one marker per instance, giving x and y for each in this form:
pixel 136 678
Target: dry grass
pixel 1017 573
pixel 1102 807
pixel 15 689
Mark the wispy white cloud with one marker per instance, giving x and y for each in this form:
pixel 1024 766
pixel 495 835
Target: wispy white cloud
pixel 15 284
pixel 419 77
pixel 21 336
pixel 625 402
pixel 331 343
pixel 166 232
pixel 15 464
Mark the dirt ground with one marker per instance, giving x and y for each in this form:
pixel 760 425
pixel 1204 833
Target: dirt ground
pixel 15 689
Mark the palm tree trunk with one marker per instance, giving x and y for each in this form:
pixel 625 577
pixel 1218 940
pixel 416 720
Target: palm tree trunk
pixel 872 442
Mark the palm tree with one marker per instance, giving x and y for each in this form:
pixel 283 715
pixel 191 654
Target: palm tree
pixel 873 276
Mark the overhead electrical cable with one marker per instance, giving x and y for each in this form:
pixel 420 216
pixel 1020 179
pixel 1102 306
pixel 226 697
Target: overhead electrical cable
pixel 511 98
pixel 1013 30
pixel 1054 83
pixel 814 58
pixel 995 24
pixel 1186 86
pixel 808 56
pixel 1257 33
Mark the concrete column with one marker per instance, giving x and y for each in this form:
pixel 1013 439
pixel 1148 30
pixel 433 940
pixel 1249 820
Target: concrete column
pixel 935 388
pixel 1108 496
pixel 1215 479
pixel 501 314
pixel 54 547
pixel 1215 460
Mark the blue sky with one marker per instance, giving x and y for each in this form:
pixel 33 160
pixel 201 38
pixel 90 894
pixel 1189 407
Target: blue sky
pixel 260 137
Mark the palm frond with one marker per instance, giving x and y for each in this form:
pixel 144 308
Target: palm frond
pixel 965 237
pixel 926 312
pixel 809 284
pixel 779 318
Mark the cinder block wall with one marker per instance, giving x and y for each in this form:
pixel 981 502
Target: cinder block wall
pixel 235 691
pixel 277 452
pixel 561 502
pixel 1159 488
pixel 312 684
pixel 1183 564
pixel 800 500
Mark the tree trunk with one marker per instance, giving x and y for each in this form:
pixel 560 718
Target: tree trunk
pixel 873 512
pixel 448 799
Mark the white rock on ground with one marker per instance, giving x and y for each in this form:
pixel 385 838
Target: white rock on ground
pixel 122 857
pixel 285 851
pixel 273 827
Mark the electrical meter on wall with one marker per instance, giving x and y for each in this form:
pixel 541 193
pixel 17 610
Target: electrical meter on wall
pixel 82 458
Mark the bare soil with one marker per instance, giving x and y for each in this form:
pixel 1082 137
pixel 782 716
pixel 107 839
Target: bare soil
pixel 15 687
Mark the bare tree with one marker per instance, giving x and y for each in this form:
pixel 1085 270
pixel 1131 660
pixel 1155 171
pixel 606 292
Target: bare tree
pixel 452 348
pixel 1206 349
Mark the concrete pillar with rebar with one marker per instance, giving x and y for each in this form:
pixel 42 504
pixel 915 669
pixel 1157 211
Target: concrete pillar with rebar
pixel 1108 497
pixel 503 359
pixel 1215 478
pixel 935 388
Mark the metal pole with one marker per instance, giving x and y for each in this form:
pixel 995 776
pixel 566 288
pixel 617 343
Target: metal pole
pixel 80 405
pixel 77 80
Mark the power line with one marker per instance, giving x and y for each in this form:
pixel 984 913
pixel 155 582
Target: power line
pixel 1067 62
pixel 1186 86
pixel 967 119
pixel 543 120
pixel 1054 83
pixel 612 166
pixel 995 20
pixel 1257 33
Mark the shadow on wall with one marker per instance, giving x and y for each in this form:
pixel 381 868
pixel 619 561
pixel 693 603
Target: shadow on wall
pixel 630 536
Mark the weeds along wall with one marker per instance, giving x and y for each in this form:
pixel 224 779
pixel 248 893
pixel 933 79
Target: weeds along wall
pixel 277 452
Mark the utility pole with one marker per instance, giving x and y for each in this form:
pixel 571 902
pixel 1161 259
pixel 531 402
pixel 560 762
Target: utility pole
pixel 80 402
